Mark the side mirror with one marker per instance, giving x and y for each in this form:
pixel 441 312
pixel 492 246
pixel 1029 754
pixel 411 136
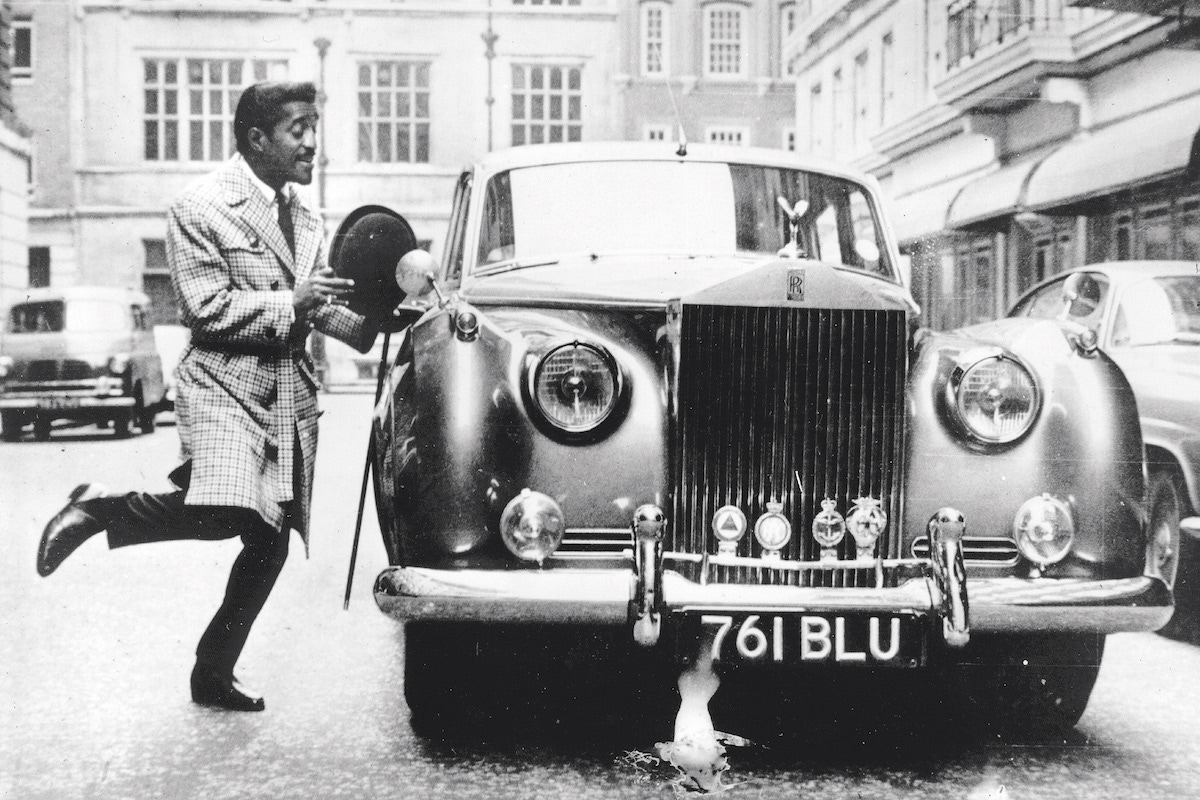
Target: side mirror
pixel 366 248
pixel 1081 295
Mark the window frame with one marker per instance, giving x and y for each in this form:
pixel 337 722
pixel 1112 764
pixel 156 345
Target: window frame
pixel 413 122
pixel 651 128
pixel 572 127
pixel 742 132
pixel 709 12
pixel 788 18
pixel 664 40
pixel 22 74
pixel 173 131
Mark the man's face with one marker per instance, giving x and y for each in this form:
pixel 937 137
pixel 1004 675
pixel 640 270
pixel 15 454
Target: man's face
pixel 287 152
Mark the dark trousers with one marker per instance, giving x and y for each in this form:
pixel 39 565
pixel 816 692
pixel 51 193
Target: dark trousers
pixel 138 518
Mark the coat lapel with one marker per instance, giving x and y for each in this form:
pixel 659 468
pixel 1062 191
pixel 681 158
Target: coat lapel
pixel 255 211
pixel 308 238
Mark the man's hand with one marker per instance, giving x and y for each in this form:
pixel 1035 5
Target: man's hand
pixel 321 289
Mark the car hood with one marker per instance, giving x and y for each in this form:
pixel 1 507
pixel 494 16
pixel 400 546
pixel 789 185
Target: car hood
pixel 1165 380
pixel 657 281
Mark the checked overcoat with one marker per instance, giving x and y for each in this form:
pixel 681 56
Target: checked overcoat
pixel 246 396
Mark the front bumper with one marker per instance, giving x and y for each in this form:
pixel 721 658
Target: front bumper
pixel 649 591
pixel 62 402
pixel 577 596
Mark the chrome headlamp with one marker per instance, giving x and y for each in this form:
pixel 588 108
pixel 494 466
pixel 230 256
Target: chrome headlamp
pixel 994 398
pixel 575 387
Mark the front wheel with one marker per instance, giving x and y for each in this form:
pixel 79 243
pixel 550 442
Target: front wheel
pixel 1166 501
pixel 41 429
pixel 1039 682
pixel 11 426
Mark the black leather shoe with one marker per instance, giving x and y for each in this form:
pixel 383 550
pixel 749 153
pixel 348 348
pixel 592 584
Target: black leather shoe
pixel 212 688
pixel 71 527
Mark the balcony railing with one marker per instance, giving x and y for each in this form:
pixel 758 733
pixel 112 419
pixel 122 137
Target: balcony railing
pixel 976 26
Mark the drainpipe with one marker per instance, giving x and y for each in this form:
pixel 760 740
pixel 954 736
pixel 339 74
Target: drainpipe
pixel 322 45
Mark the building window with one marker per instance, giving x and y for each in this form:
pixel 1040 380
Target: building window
pixel 789 140
pixel 975 278
pixel 1189 229
pixel 727 134
pixel 887 56
pixel 655 56
pixel 393 112
pixel 960 34
pixel 787 26
pixel 22 48
pixel 724 32
pixel 188 104
pixel 656 133
pixel 156 283
pixel 39 267
pixel 547 104
pixel 1154 232
pixel 860 101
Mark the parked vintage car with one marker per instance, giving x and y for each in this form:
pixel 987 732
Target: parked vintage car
pixel 78 353
pixel 1146 316
pixel 681 392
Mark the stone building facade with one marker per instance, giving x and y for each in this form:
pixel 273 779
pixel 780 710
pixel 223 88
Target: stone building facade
pixel 14 161
pixel 1014 138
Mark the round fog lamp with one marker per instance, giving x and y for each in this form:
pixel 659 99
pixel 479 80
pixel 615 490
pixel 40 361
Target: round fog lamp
pixel 532 526
pixel 1044 530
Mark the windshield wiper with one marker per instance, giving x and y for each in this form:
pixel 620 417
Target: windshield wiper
pixel 515 264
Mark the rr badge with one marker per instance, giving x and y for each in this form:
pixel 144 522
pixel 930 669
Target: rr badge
pixel 795 284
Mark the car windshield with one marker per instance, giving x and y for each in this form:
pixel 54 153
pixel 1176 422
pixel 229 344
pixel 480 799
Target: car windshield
pixel 79 316
pixel 543 214
pixel 1158 311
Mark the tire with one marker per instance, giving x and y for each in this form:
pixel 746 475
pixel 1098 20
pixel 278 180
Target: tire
pixel 121 424
pixel 41 429
pixel 1165 499
pixel 145 415
pixel 1042 682
pixel 444 679
pixel 11 426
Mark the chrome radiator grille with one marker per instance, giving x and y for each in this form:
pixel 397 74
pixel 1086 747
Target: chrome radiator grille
pixel 772 399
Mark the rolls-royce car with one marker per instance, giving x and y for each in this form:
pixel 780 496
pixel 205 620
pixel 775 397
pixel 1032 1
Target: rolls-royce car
pixel 1146 316
pixel 681 393
pixel 83 354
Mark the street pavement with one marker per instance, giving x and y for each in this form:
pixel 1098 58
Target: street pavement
pixel 94 662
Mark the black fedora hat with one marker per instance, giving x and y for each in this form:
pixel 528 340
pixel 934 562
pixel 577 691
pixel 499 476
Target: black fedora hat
pixel 365 249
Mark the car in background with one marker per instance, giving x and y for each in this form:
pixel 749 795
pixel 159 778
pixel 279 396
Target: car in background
pixel 1146 316
pixel 346 369
pixel 681 393
pixel 83 354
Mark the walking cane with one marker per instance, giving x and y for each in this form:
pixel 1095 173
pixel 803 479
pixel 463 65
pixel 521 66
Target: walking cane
pixel 362 493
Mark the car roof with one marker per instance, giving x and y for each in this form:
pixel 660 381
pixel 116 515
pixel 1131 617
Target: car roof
pixel 1120 273
pixel 540 154
pixel 108 293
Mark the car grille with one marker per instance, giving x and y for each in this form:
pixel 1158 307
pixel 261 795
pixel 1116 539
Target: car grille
pixel 54 370
pixel 772 399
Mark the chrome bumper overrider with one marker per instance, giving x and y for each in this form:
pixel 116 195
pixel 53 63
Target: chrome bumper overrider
pixel 641 596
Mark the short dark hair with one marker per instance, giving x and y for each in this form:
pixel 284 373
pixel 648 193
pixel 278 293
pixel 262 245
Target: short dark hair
pixel 261 106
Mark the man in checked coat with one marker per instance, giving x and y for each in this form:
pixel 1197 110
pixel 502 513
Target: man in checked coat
pixel 248 265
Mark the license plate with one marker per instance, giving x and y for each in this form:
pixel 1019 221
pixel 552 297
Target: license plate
pixel 58 402
pixel 877 640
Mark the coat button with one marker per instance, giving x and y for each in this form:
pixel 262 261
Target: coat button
pixel 274 284
pixel 270 332
pixel 254 242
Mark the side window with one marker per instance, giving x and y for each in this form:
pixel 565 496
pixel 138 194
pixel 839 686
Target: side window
pixel 1046 304
pixel 457 235
pixel 496 241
